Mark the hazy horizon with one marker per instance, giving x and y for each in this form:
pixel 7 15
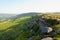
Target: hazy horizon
pixel 24 6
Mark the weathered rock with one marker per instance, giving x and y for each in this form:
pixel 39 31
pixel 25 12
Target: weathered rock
pixel 48 38
pixel 46 29
pixel 30 38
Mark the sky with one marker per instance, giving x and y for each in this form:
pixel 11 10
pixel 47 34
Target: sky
pixel 23 6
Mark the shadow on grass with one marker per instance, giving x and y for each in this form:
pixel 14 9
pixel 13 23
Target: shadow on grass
pixel 52 22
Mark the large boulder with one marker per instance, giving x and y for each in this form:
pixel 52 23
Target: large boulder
pixel 46 29
pixel 47 38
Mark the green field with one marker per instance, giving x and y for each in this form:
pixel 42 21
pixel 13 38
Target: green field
pixel 18 29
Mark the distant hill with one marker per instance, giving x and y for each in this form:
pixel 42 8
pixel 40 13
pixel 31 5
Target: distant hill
pixel 6 16
pixel 14 16
pixel 27 14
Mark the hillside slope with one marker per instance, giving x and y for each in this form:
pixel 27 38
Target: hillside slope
pixel 26 28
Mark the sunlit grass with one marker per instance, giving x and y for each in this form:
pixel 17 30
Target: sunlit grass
pixel 57 26
pixel 17 29
pixel 7 24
